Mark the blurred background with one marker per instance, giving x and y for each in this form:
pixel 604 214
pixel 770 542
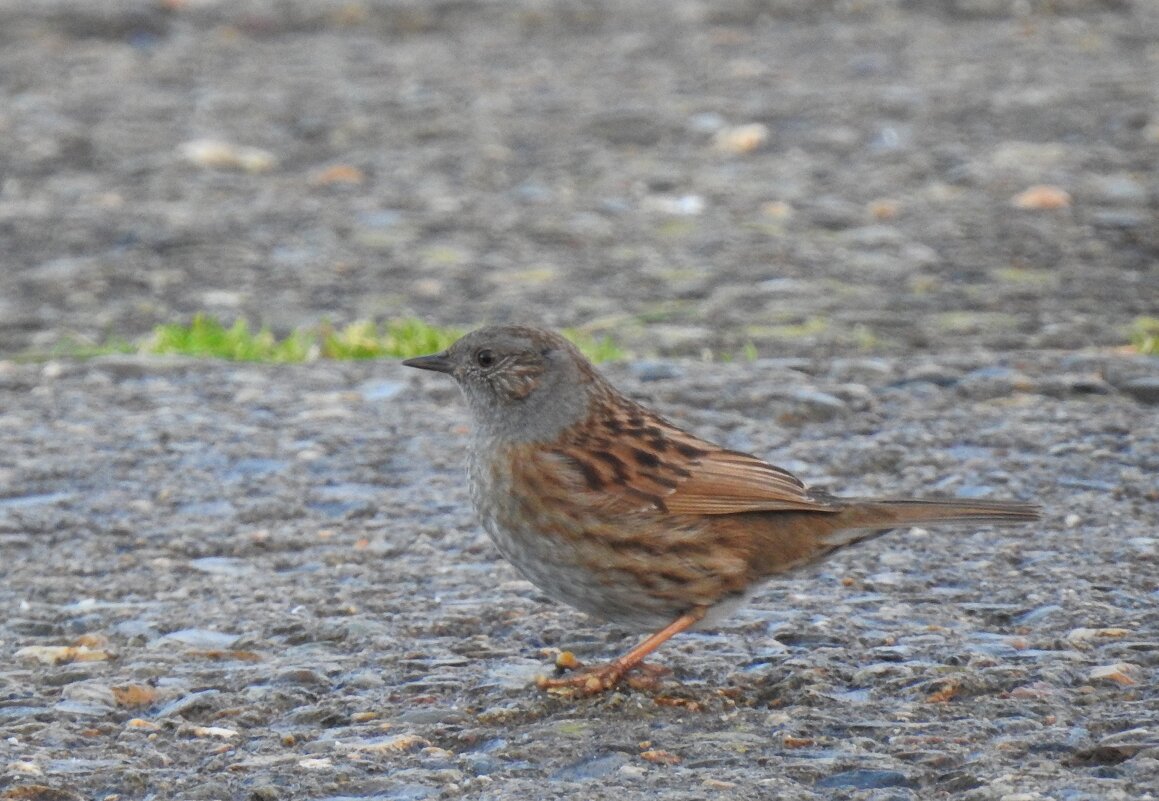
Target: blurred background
pixel 771 177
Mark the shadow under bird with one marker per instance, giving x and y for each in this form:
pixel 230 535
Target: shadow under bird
pixel 610 508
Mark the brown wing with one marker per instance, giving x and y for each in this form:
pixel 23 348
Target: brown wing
pixel 636 459
pixel 723 482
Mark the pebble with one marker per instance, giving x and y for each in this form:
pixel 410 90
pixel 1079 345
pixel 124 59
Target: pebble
pixel 1038 614
pixel 676 205
pixel 860 369
pixel 864 779
pixel 1060 386
pixel 219 154
pixel 302 677
pixel 1042 197
pixel 199 639
pixel 742 139
pixel 222 566
pixel 1139 737
pixel 381 389
pixel 655 370
pixel 936 374
pixel 187 703
pixel 1088 634
pixel 1122 673
pixel 708 122
pixel 817 405
pixel 595 767
pixel 993 382
pixel 1144 389
pixel 1123 219
pixel 1118 188
pixel 90 693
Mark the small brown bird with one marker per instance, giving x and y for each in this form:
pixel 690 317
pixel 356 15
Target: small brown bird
pixel 609 507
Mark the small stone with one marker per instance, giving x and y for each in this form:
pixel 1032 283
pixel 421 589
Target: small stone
pixel 884 209
pixel 741 139
pixel 1144 389
pixel 199 639
pixel 1131 737
pixel 380 390
pixel 660 757
pixel 222 566
pixel 936 374
pixel 398 744
pixel 566 660
pixel 1122 219
pixel 655 370
pixel 134 695
pixel 61 654
pixel 188 703
pixel 677 206
pixel 707 122
pixel 818 405
pixel 1119 188
pixel 993 382
pixel 595 767
pixel 864 779
pixel 90 693
pixel 221 155
pixel 1122 673
pixel 302 677
pixel 1060 386
pixel 1041 197
pixel 1086 635
pixel 338 174
pixel 776 210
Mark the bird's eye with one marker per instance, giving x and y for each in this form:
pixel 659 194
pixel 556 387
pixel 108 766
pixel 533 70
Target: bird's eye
pixel 485 358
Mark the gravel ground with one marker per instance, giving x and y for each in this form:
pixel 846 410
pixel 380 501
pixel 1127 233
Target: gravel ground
pixel 264 582
pixel 284 594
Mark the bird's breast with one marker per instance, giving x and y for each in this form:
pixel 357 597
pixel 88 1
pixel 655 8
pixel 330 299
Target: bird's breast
pixel 640 568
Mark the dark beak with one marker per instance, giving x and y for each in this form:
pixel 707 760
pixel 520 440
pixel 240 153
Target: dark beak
pixel 439 362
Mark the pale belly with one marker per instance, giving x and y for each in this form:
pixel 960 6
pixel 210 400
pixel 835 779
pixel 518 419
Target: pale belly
pixel 586 560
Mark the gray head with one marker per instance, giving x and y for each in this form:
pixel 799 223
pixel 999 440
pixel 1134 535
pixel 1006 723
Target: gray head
pixel 520 383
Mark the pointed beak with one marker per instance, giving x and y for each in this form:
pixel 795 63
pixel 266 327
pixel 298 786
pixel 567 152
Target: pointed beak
pixel 439 362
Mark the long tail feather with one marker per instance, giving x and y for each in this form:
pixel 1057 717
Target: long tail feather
pixel 888 513
pixel 790 539
pixel 865 519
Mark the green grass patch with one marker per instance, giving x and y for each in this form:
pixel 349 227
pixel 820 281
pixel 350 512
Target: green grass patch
pixel 208 337
pixel 1145 335
pixel 598 349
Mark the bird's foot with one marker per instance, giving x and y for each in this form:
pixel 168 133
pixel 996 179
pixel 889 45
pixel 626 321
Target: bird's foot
pixel 600 678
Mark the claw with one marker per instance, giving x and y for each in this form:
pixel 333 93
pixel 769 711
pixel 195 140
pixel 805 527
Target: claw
pixel 595 680
pixel 598 679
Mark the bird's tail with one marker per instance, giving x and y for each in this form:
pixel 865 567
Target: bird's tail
pixel 787 540
pixel 862 519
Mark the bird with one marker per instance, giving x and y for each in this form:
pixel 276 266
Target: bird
pixel 609 507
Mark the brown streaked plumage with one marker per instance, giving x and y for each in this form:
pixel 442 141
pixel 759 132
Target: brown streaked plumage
pixel 609 507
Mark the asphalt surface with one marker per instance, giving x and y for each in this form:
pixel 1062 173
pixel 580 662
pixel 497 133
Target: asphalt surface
pixel 265 582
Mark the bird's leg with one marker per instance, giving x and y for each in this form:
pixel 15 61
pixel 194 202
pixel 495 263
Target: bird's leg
pixel 593 680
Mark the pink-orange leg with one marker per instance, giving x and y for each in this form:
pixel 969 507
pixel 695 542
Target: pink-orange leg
pixel 591 681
